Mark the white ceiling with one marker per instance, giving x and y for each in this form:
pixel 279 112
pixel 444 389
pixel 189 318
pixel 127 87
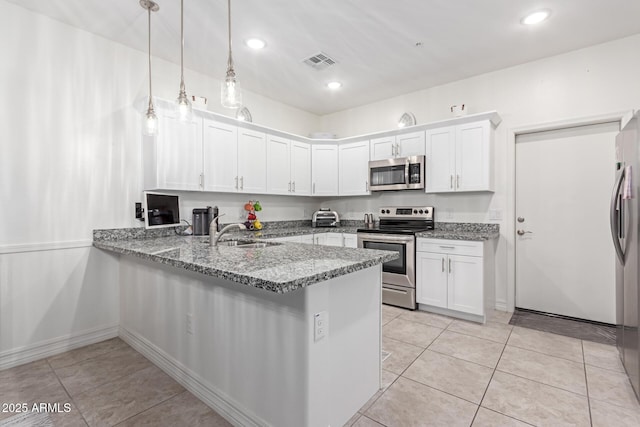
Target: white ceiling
pixel 373 41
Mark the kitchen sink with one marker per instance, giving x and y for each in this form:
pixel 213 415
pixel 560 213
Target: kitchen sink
pixel 247 244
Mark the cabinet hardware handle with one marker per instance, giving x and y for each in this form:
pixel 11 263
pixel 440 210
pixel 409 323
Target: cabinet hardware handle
pixel 201 180
pixel 449 265
pixel 293 186
pixel 236 182
pixel 366 186
pixel 289 187
pixel 447 247
pixel 342 240
pixel 242 182
pixel 450 181
pixel 443 264
pixel 397 149
pixel 457 181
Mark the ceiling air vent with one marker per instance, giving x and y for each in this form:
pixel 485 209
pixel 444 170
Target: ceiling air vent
pixel 319 61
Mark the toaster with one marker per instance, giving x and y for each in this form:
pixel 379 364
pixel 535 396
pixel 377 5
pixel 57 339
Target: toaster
pixel 325 218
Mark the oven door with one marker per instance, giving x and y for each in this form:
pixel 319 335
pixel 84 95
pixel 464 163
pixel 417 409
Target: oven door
pixel 400 271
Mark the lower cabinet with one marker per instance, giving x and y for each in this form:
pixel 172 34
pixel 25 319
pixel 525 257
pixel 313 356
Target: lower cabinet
pixel 455 277
pixel 327 239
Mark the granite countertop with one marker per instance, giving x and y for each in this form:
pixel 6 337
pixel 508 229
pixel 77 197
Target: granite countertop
pixel 462 231
pixel 279 268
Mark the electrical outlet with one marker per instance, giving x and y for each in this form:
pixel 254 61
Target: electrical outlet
pixel 139 211
pixel 320 325
pixel 189 323
pixel 495 214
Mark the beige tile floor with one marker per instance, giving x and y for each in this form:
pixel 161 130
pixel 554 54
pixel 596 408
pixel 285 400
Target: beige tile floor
pixel 446 372
pixel 440 372
pixel 106 384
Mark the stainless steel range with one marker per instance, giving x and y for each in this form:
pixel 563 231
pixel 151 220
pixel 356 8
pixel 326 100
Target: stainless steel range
pixel 396 232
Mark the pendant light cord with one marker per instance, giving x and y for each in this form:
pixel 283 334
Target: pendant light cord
pixel 149 50
pixel 182 88
pixel 230 61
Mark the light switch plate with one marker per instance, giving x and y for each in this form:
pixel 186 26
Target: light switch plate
pixel 320 325
pixel 495 214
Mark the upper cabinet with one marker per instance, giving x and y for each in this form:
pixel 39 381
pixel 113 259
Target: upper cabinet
pixel 324 169
pixel 459 158
pixel 353 171
pixel 220 148
pixel 252 167
pixel 288 167
pixel 404 145
pixel 174 158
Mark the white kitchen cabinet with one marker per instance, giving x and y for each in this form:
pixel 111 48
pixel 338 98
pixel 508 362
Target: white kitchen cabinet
pixel 300 168
pixel 349 240
pixel 324 169
pixel 288 167
pixel 454 277
pixel 306 238
pixel 220 148
pixel 353 173
pixel 173 160
pixel 459 158
pixel 333 239
pixel 252 167
pixel 320 239
pixel 403 145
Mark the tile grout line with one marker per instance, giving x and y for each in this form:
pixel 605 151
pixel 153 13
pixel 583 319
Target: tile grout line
pixel 586 382
pixel 157 404
pixel 67 392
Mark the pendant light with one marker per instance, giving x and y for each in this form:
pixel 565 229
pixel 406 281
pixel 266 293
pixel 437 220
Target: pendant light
pixel 150 120
pixel 183 104
pixel 231 96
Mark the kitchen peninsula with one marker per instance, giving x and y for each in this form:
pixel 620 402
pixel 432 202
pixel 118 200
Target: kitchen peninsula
pixel 285 335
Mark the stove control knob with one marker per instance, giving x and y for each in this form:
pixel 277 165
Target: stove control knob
pixel 421 211
pixel 388 211
pixel 381 210
pixel 415 211
pixel 426 211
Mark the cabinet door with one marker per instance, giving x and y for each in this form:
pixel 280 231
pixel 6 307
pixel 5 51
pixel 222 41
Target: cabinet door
pixel 411 144
pixel 333 239
pixel 300 168
pixel 383 148
pixel 278 164
pixel 220 148
pixel 350 240
pixel 465 284
pixel 320 239
pixel 440 159
pixel 252 165
pixel 179 152
pixel 473 157
pixel 431 279
pixel 353 173
pixel 324 170
pixel 306 238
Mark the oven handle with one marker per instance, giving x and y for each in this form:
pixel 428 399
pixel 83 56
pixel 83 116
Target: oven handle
pixel 384 238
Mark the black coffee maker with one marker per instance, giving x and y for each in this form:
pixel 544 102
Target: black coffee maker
pixel 202 218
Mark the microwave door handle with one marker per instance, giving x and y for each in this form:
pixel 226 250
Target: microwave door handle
pixel 614 219
pixel 406 172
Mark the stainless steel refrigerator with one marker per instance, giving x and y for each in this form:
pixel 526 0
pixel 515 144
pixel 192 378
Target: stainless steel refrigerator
pixel 625 215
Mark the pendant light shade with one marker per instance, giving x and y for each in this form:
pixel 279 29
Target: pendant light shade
pixel 183 104
pixel 149 118
pixel 230 94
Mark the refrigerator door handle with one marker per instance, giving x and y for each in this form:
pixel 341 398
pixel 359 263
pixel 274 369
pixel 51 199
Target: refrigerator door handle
pixel 614 220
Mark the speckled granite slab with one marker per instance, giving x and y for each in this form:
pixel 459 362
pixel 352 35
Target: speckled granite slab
pixel 279 268
pixel 462 231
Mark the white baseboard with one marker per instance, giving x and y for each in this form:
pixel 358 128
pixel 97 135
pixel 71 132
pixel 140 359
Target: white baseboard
pixel 48 348
pixel 501 305
pixel 214 398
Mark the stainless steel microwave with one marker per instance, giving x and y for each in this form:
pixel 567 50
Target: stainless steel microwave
pixel 402 173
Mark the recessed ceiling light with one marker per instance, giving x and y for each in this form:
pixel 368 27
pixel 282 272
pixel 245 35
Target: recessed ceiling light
pixel 255 43
pixel 536 17
pixel 334 85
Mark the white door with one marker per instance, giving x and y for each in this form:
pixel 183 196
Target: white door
pixel 411 144
pixel 220 148
pixel 354 169
pixel 383 148
pixel 465 284
pixel 431 279
pixel 252 164
pixel 278 164
pixel 440 161
pixel 300 168
pixel 179 152
pixel 324 170
pixel 565 262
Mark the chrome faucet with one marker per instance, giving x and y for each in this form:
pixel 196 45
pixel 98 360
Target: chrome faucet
pixel 214 236
pixel 213 225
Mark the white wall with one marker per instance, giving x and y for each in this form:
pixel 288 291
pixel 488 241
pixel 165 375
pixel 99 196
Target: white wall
pixel 70 163
pixel 601 79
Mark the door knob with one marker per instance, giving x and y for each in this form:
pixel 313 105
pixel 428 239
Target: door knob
pixel 520 219
pixel 523 232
